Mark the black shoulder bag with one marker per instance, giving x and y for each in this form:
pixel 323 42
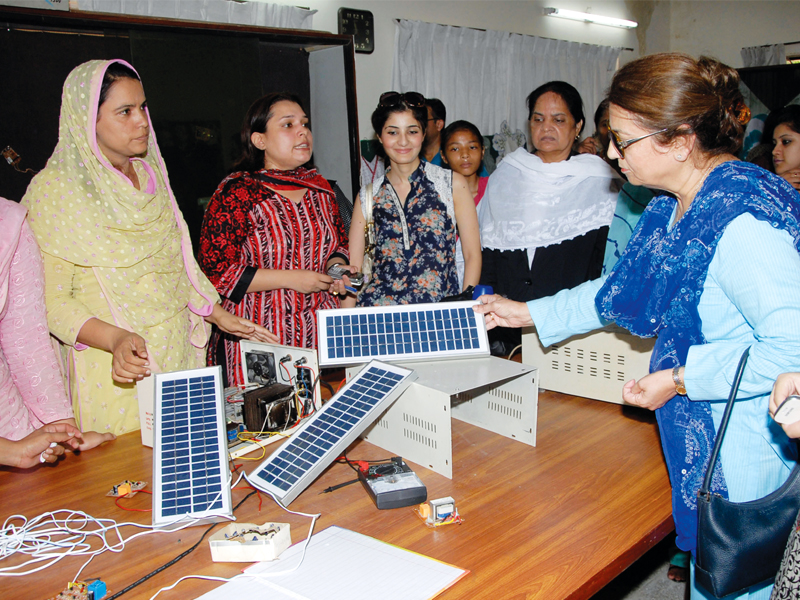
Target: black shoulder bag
pixel 741 544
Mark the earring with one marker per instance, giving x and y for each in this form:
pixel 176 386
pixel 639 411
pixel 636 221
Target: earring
pixel 679 156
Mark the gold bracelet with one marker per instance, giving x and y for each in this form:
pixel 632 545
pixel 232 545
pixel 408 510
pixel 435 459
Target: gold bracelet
pixel 680 388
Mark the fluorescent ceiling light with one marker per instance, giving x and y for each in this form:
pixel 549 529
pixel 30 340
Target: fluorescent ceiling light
pixel 590 18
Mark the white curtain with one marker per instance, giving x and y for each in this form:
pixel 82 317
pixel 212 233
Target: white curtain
pixel 485 76
pixel 762 56
pixel 215 11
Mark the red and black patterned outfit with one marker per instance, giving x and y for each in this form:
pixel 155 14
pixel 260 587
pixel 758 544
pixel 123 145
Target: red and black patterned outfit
pixel 248 227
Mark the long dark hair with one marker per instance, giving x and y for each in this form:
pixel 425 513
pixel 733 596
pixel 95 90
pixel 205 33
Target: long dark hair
pixel 255 121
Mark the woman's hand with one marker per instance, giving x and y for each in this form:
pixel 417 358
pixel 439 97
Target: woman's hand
pixel 40 446
pixel 240 327
pixel 85 440
pixel 793 177
pixel 92 439
pixel 651 391
pixel 591 145
pixel 129 362
pixel 502 312
pixel 308 282
pixel 130 357
pixel 339 286
pixel 785 385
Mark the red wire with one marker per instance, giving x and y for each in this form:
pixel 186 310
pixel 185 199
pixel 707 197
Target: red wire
pixel 118 498
pixel 289 375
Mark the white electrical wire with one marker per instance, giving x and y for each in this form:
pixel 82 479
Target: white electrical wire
pixel 256 575
pixel 48 538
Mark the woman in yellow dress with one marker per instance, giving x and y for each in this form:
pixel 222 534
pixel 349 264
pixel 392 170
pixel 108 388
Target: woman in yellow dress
pixel 125 297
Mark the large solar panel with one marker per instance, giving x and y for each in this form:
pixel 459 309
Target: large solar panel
pixel 190 465
pixel 292 468
pixel 405 332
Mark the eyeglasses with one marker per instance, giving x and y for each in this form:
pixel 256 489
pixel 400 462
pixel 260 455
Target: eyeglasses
pixel 620 145
pixel 395 98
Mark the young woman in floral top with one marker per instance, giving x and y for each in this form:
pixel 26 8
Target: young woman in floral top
pixel 419 210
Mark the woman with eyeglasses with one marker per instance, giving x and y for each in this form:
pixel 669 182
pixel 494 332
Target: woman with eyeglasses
pixel 418 210
pixel 712 269
pixel 545 215
pixel 271 233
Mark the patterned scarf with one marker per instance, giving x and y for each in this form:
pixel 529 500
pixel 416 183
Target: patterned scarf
pixel 292 180
pixel 654 290
pixel 84 211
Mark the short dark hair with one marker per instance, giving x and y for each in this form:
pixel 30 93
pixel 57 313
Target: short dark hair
pixel 381 114
pixel 568 94
pixel 438 110
pixel 457 126
pixel 114 72
pixel 255 121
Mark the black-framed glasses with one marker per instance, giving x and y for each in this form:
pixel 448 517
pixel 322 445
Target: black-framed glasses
pixel 395 98
pixel 620 144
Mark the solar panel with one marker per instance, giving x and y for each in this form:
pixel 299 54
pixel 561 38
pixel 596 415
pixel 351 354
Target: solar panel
pixel 404 332
pixel 190 464
pixel 292 468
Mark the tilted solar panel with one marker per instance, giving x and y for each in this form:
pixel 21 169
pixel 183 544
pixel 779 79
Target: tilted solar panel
pixel 295 465
pixel 190 463
pixel 405 332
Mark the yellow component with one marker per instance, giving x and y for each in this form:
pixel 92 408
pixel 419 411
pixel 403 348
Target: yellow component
pixel 124 489
pixel 424 510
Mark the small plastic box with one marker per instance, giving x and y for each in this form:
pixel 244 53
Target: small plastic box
pixel 256 545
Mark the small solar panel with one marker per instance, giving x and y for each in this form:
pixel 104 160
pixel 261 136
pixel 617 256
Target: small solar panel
pixel 292 468
pixel 405 332
pixel 190 463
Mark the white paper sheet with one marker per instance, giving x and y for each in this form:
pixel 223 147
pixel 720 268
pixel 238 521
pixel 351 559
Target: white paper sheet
pixel 344 565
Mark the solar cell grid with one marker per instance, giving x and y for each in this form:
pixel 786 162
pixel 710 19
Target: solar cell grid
pixel 401 332
pixel 189 460
pixel 291 468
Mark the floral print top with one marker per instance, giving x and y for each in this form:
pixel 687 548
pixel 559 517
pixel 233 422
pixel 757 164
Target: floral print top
pixel 415 244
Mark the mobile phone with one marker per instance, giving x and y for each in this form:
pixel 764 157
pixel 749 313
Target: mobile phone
pixel 337 271
pixel 789 411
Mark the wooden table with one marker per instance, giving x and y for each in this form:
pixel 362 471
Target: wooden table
pixel 557 521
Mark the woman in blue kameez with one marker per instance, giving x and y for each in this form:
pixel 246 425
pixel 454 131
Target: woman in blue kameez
pixel 711 269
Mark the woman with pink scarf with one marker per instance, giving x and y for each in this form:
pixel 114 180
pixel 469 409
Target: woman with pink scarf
pixel 36 419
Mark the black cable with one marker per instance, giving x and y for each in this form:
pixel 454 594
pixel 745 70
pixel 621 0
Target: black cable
pixel 176 559
pixel 327 385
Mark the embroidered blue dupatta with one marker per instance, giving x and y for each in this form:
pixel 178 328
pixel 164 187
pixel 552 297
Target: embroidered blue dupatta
pixel 654 290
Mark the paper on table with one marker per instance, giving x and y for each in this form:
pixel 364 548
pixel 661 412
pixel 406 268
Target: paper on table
pixel 344 565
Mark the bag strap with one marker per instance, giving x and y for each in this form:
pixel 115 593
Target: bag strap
pixel 705 488
pixel 367 202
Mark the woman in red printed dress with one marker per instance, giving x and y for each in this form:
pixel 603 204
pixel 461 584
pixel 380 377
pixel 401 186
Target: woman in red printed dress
pixel 271 232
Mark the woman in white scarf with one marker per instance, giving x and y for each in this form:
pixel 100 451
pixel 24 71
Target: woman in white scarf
pixel 545 216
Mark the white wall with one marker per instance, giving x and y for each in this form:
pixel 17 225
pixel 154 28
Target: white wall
pixel 719 28
pixel 374 71
pixel 722 28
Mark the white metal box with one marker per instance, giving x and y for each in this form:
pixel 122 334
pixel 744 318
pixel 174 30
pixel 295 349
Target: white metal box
pixel 494 394
pixel 593 365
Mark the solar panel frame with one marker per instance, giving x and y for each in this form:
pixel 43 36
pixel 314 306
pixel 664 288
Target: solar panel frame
pixel 325 435
pixel 407 332
pixel 190 461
